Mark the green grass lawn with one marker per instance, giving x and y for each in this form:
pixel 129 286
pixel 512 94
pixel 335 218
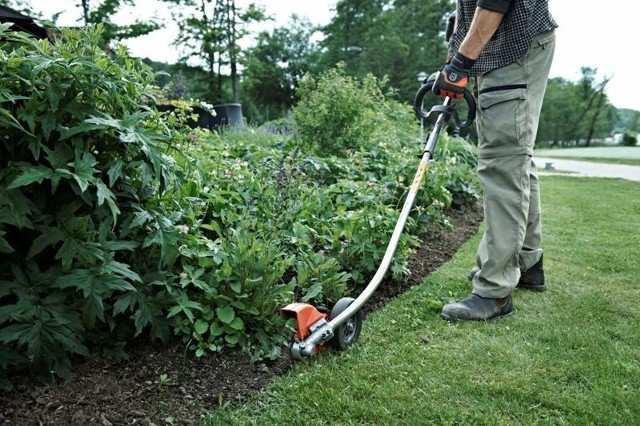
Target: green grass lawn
pixel 613 155
pixel 568 356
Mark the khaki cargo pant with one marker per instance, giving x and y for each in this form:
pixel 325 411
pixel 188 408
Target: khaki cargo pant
pixel 509 103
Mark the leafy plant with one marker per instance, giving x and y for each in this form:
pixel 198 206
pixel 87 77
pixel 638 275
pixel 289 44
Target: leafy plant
pixel 82 161
pixel 629 139
pixel 337 114
pixel 458 160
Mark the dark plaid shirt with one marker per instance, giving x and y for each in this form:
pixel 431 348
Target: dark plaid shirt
pixel 523 20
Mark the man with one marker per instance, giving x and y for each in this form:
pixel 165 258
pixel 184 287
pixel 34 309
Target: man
pixel 508 45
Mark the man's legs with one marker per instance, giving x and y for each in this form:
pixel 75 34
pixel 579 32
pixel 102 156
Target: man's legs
pixel 509 106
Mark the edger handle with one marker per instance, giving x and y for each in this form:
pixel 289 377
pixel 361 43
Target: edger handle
pixel 451 25
pixel 447 108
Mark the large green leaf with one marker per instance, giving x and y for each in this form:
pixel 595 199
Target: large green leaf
pixel 124 302
pixel 121 269
pixel 226 314
pixel 166 237
pixel 115 171
pixel 87 252
pixel 14 333
pixel 201 327
pixel 105 194
pixel 186 306
pixel 49 236
pixel 59 157
pixel 5 247
pixel 16 209
pixel 84 171
pixel 8 120
pixel 120 245
pixel 91 281
pixel 85 127
pixel 58 334
pixel 92 309
pixel 29 174
pixel 144 315
pixel 7 96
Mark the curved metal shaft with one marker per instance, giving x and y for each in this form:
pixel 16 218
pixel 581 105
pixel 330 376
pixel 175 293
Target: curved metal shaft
pixel 325 332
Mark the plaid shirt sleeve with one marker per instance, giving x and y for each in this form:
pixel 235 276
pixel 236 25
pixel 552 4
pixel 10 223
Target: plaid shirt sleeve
pixel 500 6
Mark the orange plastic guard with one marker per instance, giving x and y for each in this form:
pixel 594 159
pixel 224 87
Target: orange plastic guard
pixel 306 315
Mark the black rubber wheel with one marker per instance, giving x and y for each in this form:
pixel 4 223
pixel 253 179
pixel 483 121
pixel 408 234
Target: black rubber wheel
pixel 346 333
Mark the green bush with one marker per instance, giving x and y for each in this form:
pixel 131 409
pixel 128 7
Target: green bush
pixel 368 148
pixel 338 114
pixel 629 139
pixel 248 247
pixel 457 162
pixel 83 166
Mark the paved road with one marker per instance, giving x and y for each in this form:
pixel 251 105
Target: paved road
pixel 587 168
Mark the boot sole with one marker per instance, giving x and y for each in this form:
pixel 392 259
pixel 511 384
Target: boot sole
pixel 537 289
pixel 497 317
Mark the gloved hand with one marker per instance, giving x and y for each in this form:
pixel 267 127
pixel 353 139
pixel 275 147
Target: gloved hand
pixel 454 77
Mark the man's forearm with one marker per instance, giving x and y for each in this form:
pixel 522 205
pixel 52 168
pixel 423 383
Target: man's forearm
pixel 484 25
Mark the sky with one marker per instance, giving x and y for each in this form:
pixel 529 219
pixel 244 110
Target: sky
pixel 601 37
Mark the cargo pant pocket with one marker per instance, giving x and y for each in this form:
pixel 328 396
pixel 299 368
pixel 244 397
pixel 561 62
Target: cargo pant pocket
pixel 502 121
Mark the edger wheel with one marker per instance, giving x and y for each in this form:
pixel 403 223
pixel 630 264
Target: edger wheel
pixel 346 333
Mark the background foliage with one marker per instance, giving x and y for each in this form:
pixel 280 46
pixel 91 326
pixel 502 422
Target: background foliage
pixel 225 56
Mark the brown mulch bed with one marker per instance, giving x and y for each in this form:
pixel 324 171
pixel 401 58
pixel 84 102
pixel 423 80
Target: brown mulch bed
pixel 164 385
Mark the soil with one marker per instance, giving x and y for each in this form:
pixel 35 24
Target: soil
pixel 161 384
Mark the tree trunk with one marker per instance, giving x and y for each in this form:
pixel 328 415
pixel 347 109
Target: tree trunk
pixel 232 46
pixel 595 95
pixel 595 116
pixel 85 12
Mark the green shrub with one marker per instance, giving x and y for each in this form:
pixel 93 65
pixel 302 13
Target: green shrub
pixel 629 139
pixel 369 152
pixel 83 167
pixel 457 162
pixel 337 114
pixel 269 222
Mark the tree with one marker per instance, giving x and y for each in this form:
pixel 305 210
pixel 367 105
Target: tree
pixel 209 33
pixel 593 103
pixel 419 27
pixel 275 65
pixel 628 119
pixel 23 6
pixel 347 35
pixel 397 39
pixel 576 113
pixel 102 11
pixel 557 110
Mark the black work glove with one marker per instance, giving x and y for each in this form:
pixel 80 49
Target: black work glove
pixel 454 77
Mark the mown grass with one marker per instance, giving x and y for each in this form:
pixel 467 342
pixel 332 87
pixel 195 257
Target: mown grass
pixel 623 161
pixel 568 356
pixel 609 155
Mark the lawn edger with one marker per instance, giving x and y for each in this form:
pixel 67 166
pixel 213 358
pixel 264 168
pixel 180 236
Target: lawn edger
pixel 317 328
